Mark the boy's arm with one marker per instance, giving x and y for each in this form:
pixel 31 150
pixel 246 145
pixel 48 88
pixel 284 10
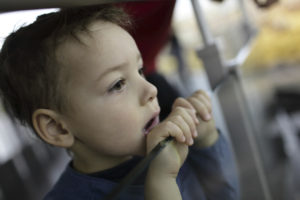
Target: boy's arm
pixel 211 156
pixel 216 170
pixel 162 189
pixel 161 186
pixel 161 176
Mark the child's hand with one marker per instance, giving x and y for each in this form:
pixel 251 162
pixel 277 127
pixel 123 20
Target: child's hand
pixel 206 130
pixel 180 124
pixel 189 121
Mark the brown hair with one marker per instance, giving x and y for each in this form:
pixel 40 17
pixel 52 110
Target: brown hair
pixel 30 77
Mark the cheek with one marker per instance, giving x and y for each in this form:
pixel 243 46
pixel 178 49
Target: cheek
pixel 114 129
pixel 111 120
pixel 111 115
pixel 123 120
pixel 121 131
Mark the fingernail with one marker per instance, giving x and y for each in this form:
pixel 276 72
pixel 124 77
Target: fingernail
pixel 191 141
pixel 182 138
pixel 207 116
pixel 195 133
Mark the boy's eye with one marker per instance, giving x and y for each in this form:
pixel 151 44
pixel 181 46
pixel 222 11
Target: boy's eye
pixel 141 71
pixel 118 86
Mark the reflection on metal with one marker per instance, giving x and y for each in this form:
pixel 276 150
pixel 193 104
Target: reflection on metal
pixel 12 5
pixel 240 57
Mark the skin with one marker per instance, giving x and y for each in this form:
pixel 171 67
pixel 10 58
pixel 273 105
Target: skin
pixel 110 102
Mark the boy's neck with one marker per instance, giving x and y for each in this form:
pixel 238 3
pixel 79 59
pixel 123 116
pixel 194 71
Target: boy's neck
pixel 85 166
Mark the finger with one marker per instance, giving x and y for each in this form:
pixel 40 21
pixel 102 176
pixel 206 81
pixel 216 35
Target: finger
pixel 182 102
pixel 204 96
pixel 173 130
pixel 202 92
pixel 202 110
pixel 186 130
pixel 191 119
pixel 206 102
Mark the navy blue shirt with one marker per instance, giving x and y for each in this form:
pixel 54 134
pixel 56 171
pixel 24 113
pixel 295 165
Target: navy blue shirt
pixel 207 174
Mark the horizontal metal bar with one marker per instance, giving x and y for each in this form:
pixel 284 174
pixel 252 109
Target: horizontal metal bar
pixel 14 5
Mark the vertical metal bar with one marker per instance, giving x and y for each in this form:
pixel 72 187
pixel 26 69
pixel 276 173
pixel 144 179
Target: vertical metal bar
pixel 207 40
pixel 252 140
pixel 249 29
pixel 217 72
pixel 244 12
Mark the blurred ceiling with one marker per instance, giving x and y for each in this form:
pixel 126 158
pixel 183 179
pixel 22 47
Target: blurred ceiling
pixel 12 5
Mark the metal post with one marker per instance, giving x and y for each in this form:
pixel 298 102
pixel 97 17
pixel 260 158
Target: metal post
pixel 248 28
pixel 207 40
pixel 209 54
pixel 234 106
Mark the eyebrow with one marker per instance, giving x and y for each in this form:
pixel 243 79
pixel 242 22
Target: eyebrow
pixel 115 68
pixel 111 69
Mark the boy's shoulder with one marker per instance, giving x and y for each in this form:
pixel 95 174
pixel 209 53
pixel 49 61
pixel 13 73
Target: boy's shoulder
pixel 73 185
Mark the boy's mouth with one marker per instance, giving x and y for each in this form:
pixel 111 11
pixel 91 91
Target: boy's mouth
pixel 151 124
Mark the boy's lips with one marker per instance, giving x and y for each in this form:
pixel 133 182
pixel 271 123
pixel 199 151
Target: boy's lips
pixel 151 123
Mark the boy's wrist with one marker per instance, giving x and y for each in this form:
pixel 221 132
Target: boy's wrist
pixel 208 140
pixel 154 179
pixel 161 187
pixel 155 174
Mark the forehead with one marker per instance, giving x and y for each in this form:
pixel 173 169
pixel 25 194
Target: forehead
pixel 104 44
pixel 111 41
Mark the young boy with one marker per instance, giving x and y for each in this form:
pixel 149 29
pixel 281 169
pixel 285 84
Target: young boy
pixel 76 78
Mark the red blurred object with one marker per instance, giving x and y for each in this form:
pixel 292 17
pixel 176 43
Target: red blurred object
pixel 152 20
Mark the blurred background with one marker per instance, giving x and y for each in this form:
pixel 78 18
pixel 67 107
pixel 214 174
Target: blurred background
pixel 247 58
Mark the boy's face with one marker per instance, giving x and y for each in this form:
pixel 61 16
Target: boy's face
pixel 111 102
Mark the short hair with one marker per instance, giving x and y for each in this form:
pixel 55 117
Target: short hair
pixel 30 77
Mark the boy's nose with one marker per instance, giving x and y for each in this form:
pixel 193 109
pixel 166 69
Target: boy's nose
pixel 150 92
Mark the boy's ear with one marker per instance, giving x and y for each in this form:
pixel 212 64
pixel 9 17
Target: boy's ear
pixel 51 128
